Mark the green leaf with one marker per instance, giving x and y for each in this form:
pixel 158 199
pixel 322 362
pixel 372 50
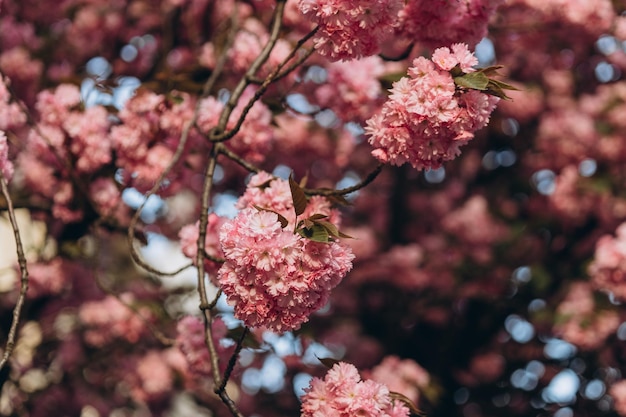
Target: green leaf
pixel 473 80
pixel 317 216
pixel 316 233
pixel 330 228
pixel 282 219
pixel 344 235
pixel 328 362
pixel 492 70
pixel 396 396
pixel 298 196
pixel 497 88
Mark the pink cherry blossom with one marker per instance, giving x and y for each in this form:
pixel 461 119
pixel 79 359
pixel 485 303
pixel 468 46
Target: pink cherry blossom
pixel 608 269
pixel 426 118
pixel 273 277
pixel 351 29
pixel 342 393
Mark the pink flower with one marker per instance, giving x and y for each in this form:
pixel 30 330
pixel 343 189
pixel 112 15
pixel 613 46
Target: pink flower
pixel 273 277
pixel 618 392
pixel 109 319
pixel 401 375
pixel 188 236
pixel 342 393
pixel 580 323
pixel 426 118
pixel 352 89
pixel 190 341
pixel 608 269
pixel 441 22
pixel 351 29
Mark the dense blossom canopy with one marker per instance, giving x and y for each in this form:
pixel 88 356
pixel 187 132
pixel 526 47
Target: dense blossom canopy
pixel 313 207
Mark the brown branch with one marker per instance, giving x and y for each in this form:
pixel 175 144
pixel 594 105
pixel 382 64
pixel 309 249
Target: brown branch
pixel 239 160
pixel 281 74
pixel 214 258
pixel 219 133
pixel 205 306
pixel 329 192
pixel 272 77
pixel 233 361
pixel 21 260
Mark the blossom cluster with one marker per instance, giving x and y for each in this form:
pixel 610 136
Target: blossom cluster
pixel 427 118
pixel 442 22
pixel 351 29
pixel 273 276
pixel 579 320
pixel 188 236
pixel 342 393
pixel 70 141
pixel 401 375
pixel 190 342
pixel 109 319
pixel 608 269
pixel 352 89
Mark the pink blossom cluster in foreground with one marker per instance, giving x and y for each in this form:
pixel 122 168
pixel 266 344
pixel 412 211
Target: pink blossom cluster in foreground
pixel 273 276
pixel 608 269
pixel 342 393
pixel 427 119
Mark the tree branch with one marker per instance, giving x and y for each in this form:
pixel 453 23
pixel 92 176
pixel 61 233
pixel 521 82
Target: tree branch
pixel 329 192
pixel 21 260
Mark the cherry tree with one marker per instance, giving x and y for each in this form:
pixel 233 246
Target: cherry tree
pixel 313 207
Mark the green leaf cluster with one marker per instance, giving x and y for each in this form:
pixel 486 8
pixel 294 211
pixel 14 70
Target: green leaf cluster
pixel 481 80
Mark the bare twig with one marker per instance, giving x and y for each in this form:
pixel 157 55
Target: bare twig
pixel 239 160
pixel 219 133
pixel 21 260
pixel 330 192
pixel 158 334
pixel 233 359
pixel 205 306
pixel 281 74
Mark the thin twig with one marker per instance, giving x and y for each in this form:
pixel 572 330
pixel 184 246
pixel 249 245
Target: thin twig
pixel 21 260
pixel 212 258
pixel 327 192
pixel 219 133
pixel 239 160
pixel 233 360
pixel 205 306
pixel 281 74
pixel 158 334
